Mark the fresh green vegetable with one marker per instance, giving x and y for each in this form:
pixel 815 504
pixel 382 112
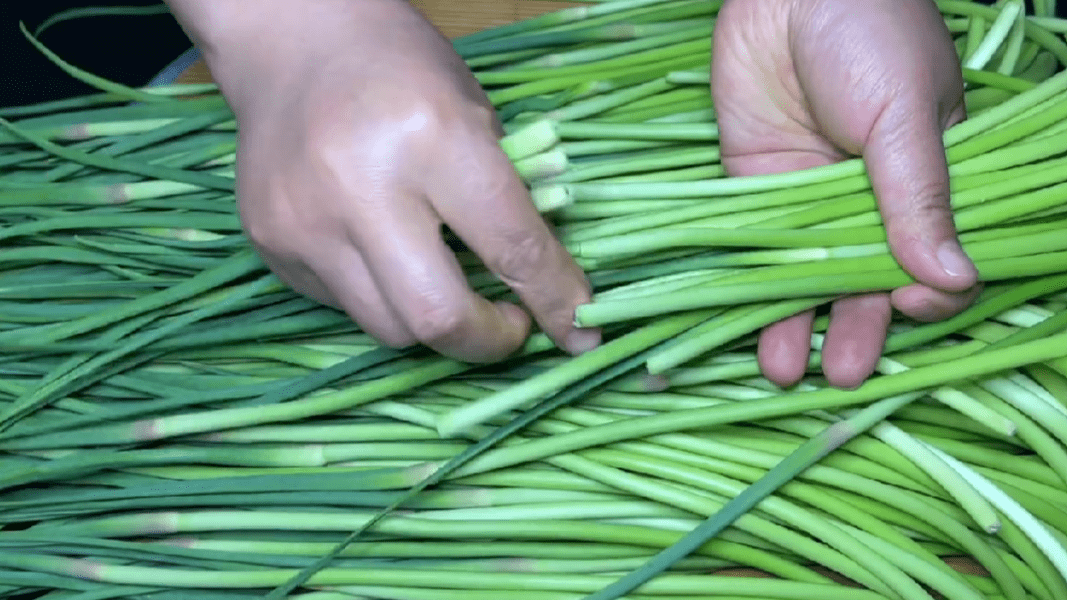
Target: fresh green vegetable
pixel 175 423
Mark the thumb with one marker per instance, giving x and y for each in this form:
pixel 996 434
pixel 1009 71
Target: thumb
pixel 905 158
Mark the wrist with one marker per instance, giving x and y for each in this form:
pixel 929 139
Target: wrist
pixel 246 43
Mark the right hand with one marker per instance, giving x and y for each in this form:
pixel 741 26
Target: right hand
pixel 361 134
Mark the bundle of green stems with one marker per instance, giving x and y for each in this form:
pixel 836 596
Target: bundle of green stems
pixel 175 423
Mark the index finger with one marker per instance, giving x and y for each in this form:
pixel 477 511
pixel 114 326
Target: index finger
pixel 486 204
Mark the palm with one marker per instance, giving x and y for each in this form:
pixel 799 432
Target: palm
pixel 804 84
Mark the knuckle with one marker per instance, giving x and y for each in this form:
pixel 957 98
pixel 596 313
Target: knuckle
pixel 927 210
pixel 409 134
pixel 419 113
pixel 394 338
pixel 931 198
pixel 376 322
pixel 486 117
pixel 523 257
pixel 259 230
pixel 268 227
pixel 435 324
pixel 393 126
pixel 417 117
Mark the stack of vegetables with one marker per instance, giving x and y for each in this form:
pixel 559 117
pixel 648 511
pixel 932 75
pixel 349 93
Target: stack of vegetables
pixel 175 423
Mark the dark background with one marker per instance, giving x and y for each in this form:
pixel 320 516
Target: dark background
pixel 130 50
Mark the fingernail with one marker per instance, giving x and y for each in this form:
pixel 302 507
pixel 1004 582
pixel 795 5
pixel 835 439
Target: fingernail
pixel 953 260
pixel 581 341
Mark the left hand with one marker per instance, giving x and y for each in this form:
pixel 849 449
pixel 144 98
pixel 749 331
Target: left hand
pixel 803 83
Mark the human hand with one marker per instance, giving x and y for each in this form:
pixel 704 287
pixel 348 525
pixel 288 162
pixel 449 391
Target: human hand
pixel 361 134
pixel 803 83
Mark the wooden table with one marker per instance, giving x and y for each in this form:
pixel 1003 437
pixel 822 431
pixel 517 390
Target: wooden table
pixel 453 17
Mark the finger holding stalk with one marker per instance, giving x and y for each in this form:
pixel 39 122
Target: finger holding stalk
pixel 347 195
pixel 881 83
